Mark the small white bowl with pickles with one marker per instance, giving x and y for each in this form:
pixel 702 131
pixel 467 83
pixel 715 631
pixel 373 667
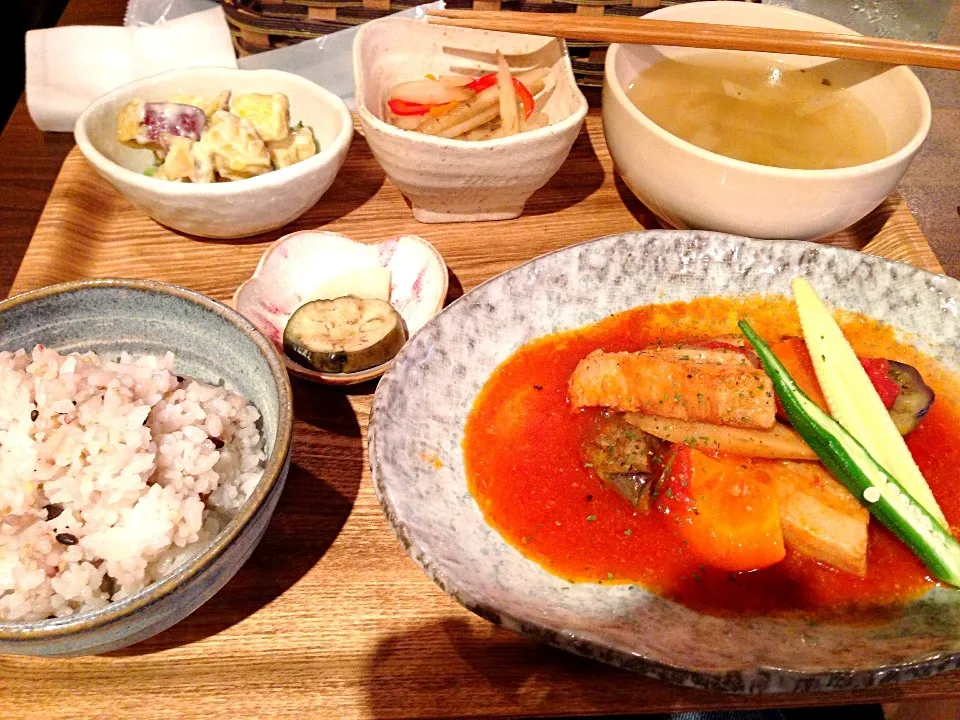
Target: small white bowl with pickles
pixel 456 180
pixel 231 209
pixel 688 186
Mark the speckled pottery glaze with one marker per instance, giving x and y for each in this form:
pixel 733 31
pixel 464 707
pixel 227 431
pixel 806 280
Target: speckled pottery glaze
pixel 295 265
pixel 211 342
pixel 421 406
pixel 223 209
pixel 454 180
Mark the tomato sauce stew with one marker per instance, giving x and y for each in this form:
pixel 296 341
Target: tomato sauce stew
pixel 522 451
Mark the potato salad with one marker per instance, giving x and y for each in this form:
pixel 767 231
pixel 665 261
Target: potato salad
pixel 210 139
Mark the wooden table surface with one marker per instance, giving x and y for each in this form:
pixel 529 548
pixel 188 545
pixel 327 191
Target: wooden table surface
pixel 402 649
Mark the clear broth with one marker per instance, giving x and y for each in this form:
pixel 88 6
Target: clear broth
pixel 759 111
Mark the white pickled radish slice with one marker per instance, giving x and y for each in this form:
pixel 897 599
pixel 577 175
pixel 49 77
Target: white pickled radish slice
pixel 406 122
pixel 428 92
pixel 455 81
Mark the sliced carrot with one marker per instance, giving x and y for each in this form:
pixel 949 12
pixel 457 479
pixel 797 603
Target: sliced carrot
pixel 438 110
pixel 793 353
pixel 724 510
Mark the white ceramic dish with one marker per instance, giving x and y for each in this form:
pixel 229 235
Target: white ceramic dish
pixel 298 263
pixel 689 187
pixel 453 180
pixel 227 209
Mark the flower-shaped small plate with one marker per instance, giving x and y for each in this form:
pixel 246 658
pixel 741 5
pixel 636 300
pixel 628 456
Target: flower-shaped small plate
pixel 297 263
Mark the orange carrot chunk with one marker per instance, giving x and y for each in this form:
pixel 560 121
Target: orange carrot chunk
pixel 723 508
pixel 793 353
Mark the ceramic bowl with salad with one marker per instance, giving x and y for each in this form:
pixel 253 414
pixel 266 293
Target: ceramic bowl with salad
pixel 218 152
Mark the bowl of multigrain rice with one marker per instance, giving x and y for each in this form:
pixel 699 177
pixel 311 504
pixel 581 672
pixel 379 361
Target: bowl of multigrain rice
pixel 145 437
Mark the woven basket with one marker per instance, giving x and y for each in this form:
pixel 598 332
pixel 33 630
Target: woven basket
pixel 259 25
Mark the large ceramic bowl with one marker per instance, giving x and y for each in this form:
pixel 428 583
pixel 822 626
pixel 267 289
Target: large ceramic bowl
pixel 211 342
pixel 416 457
pixel 223 209
pixel 689 187
pixel 454 180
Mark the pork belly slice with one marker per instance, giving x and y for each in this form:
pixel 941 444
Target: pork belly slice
pixel 664 384
pixel 820 518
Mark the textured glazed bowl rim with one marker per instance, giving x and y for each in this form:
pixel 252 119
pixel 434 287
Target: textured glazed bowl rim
pixel 274 179
pixel 571 121
pixel 755 680
pixel 854 171
pixel 353 378
pixel 97 619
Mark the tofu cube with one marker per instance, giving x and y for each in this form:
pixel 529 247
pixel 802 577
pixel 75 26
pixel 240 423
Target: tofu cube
pixel 235 147
pixel 295 147
pixel 129 120
pixel 269 114
pixel 178 164
pixel 209 105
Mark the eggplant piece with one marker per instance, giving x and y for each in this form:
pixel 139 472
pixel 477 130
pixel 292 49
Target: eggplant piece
pixel 622 456
pixel 633 487
pixel 344 335
pixel 914 400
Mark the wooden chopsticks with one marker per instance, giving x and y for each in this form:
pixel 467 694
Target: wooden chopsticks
pixel 702 35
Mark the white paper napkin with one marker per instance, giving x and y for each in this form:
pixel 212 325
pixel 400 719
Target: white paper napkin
pixel 69 67
pixel 326 60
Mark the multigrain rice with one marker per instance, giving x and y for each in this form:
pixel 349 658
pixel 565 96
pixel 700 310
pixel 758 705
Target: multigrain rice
pixel 112 473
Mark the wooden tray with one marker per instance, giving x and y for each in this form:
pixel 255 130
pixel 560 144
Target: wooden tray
pixel 329 618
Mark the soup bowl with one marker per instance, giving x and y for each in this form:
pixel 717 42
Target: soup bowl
pixel 689 187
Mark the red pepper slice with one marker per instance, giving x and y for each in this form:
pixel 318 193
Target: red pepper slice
pixel 673 471
pixel 525 97
pixel 878 370
pixel 402 107
pixel 482 82
pixel 488 81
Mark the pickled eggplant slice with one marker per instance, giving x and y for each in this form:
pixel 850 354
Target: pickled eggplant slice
pixel 344 335
pixel 914 400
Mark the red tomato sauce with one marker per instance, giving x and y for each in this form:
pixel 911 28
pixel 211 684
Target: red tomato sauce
pixel 522 455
